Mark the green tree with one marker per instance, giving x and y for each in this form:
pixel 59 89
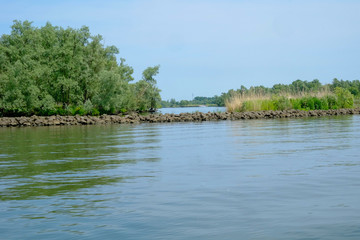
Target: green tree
pixel 146 89
pixel 50 69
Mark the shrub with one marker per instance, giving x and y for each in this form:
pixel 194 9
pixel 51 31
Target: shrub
pixel 344 98
pixel 307 103
pixel 267 105
pixel 281 103
pixel 332 102
pixel 88 107
pixel 324 104
pixel 95 112
pixel 296 103
pixel 60 111
pixel 317 103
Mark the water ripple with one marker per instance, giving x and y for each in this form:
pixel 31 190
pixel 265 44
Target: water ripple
pixel 258 179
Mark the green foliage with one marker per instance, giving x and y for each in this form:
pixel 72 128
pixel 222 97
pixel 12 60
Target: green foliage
pixel 149 94
pixel 248 106
pixel 281 103
pixel 307 103
pixel 267 105
pixel 296 103
pixel 332 102
pixel 149 73
pixel 52 70
pixel 78 110
pixel 298 87
pixel 352 86
pixel 315 103
pixel 324 105
pixel 207 101
pixel 344 97
pixel 58 110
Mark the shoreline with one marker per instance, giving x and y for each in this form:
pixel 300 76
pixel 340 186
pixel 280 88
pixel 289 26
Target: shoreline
pixel 135 118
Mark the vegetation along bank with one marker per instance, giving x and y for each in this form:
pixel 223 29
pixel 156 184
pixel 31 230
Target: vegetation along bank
pixel 51 70
pixel 56 76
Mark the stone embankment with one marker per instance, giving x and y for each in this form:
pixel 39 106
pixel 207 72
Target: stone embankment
pixel 160 118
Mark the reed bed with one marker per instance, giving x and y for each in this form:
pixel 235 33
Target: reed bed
pixel 321 100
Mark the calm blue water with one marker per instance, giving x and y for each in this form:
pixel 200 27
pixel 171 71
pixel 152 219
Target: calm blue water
pixel 191 110
pixel 252 179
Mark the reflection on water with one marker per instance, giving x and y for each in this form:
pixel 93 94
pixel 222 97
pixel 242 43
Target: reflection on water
pixel 252 179
pixel 50 161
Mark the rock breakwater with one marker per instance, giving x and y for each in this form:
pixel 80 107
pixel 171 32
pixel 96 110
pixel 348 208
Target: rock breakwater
pixel 160 118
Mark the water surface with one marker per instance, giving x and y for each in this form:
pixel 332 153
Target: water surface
pixel 252 179
pixel 191 110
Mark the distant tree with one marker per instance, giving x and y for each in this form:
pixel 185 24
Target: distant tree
pixel 314 85
pixel 298 86
pixel 172 102
pixel 184 103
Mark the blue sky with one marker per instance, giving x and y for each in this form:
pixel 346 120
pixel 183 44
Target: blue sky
pixel 206 47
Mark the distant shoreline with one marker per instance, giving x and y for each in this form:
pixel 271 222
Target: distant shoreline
pixel 135 118
pixel 192 106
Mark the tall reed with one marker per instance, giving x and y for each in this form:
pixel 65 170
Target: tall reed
pixel 324 99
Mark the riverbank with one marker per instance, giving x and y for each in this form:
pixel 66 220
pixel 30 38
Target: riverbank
pixel 159 118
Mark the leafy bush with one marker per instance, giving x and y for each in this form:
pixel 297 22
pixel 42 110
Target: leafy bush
pixel 324 104
pixel 344 98
pixel 281 103
pixel 95 112
pixel 332 102
pixel 88 107
pixel 307 103
pixel 267 105
pixel 296 103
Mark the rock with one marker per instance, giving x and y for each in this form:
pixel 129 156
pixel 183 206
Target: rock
pixel 134 118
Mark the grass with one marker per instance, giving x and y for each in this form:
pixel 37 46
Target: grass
pixel 322 100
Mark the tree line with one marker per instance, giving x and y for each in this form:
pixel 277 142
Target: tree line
pixel 207 101
pixel 295 88
pixel 51 70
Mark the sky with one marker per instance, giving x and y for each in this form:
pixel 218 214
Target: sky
pixel 206 47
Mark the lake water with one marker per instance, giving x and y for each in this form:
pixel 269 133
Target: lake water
pixel 250 179
pixel 191 110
